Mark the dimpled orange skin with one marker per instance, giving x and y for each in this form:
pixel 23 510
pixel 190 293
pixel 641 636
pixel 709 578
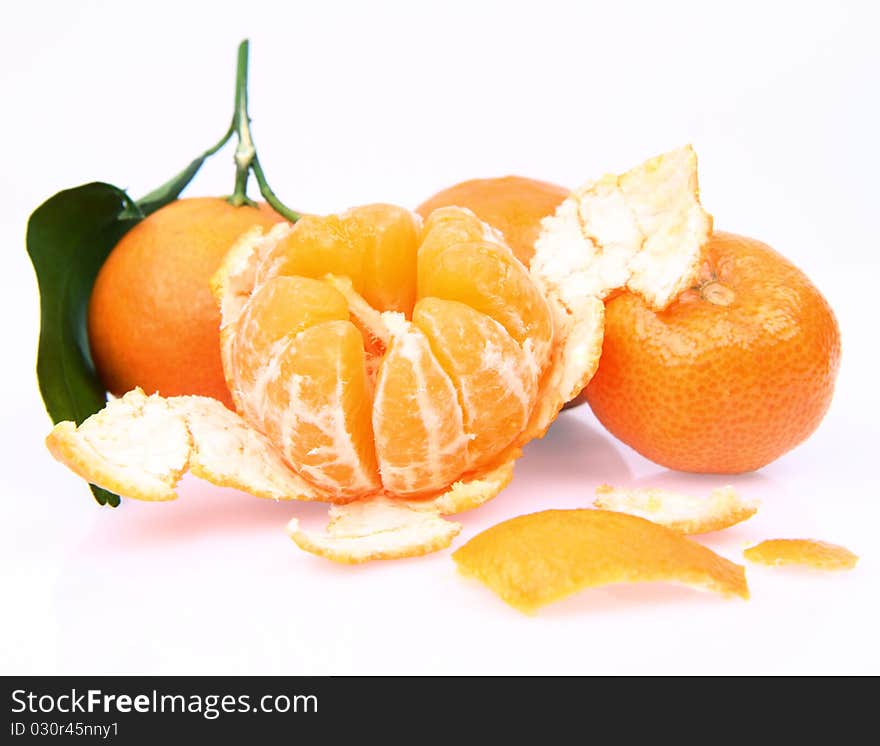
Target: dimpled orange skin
pixel 735 373
pixel 512 204
pixel 152 319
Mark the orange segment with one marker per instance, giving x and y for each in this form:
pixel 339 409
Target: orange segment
pixel 512 204
pixel 444 228
pixel 317 246
pixel 318 409
pixel 279 310
pixel 534 559
pixel 490 279
pixel 806 552
pixel 389 264
pixel 493 377
pixel 452 225
pixel 417 421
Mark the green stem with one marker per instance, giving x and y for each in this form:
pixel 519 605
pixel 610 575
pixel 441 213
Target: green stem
pixel 268 195
pixel 172 188
pixel 245 152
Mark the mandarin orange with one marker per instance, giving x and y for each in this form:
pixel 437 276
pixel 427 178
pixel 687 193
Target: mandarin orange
pixel 381 356
pixel 152 320
pixel 736 372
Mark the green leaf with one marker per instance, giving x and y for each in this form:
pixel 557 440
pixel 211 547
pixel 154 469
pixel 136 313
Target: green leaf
pixel 69 237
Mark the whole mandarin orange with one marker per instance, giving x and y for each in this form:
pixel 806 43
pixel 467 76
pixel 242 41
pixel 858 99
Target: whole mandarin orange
pixel 152 320
pixel 739 370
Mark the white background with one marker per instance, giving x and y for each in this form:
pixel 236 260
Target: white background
pixel 366 102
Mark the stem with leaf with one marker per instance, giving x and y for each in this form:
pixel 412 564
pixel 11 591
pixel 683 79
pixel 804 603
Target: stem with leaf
pixel 246 159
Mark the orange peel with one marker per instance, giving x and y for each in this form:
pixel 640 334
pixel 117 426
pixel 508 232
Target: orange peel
pixel 140 446
pixel 325 362
pixel 532 560
pixel 819 555
pixel 643 230
pixel 689 515
pixel 376 528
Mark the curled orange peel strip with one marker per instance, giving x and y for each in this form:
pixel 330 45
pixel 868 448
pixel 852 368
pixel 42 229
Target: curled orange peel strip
pixel 532 560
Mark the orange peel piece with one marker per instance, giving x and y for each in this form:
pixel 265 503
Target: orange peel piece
pixel 140 446
pixel 534 559
pixel 689 515
pixel 644 231
pixel 471 491
pixel 376 528
pixel 820 555
pixel 387 528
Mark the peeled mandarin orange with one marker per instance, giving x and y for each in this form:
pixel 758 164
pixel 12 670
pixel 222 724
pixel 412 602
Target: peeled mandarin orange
pixel 385 358
pixel 152 320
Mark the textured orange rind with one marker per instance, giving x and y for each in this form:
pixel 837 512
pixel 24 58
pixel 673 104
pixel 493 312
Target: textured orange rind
pixel 819 555
pixel 535 559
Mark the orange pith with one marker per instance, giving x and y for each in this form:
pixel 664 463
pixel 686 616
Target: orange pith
pixel 512 204
pixel 384 357
pixel 735 373
pixel 152 320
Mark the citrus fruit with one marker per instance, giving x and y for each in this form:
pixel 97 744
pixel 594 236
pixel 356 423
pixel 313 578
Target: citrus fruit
pixel 514 205
pixel 396 381
pixel 532 560
pixel 396 368
pixel 736 372
pixel 819 555
pixel 152 320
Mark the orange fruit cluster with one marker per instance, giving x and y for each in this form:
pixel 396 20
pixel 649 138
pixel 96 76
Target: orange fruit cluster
pixel 396 368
